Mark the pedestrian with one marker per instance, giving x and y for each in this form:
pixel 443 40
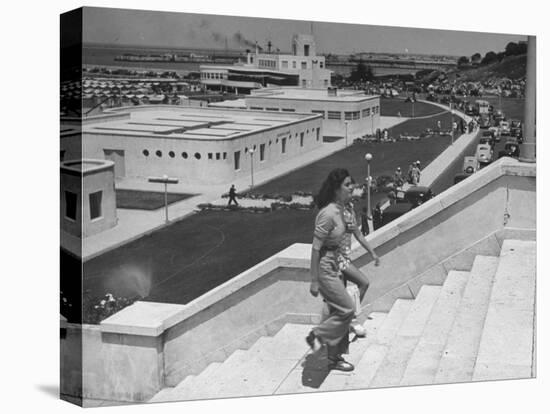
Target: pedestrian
pixel 326 273
pixel 410 173
pixel 232 195
pixel 364 222
pixel 416 173
pixel 376 216
pixel 398 178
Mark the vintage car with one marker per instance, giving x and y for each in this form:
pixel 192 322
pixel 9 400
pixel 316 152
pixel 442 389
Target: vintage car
pixel 496 133
pixel 484 154
pixel 488 138
pixel 405 201
pixel 511 149
pixel 470 166
pixel 504 128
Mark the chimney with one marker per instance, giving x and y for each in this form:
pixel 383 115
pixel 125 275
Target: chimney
pixel 332 91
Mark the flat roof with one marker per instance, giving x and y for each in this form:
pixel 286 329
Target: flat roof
pixel 175 122
pixel 85 166
pixel 311 94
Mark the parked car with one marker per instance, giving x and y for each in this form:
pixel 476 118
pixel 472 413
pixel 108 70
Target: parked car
pixel 484 154
pixel 415 195
pixel 406 200
pixel 504 128
pixel 511 149
pixel 515 123
pixel 496 133
pixel 394 211
pixel 488 138
pixel 471 165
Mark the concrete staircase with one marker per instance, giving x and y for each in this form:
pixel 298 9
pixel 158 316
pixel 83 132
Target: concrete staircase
pixel 478 326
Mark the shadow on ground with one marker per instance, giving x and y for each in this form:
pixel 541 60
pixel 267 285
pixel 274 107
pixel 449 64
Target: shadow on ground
pixel 315 369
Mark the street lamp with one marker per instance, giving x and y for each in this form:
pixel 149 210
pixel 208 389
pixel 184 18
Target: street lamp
pixel 346 124
pixel 368 158
pixel 452 129
pixel 164 180
pixel 251 151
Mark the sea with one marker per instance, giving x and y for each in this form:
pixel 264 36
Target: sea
pixel 95 55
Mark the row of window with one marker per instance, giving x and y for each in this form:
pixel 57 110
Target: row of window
pixel 213 75
pixel 348 116
pixel 71 205
pixel 185 155
pixel 303 64
pixel 220 155
pixel 267 63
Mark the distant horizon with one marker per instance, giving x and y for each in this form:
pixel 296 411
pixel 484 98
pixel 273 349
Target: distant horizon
pixel 141 46
pixel 170 30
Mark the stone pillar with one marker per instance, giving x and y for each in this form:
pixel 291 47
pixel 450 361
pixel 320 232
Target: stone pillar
pixel 528 147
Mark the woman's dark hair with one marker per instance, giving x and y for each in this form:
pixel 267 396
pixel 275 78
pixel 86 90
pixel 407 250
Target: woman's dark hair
pixel 328 189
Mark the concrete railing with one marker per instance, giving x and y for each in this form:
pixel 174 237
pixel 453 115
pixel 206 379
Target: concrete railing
pixel 137 351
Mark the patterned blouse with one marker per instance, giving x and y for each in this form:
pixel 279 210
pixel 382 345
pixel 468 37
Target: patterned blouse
pixel 333 227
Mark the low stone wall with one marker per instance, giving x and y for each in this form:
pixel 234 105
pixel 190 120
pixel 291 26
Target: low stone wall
pixel 147 346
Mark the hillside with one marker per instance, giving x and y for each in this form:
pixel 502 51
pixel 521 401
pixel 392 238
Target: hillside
pixel 512 67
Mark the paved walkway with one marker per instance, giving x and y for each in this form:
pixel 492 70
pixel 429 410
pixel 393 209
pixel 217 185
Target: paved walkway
pixel 133 224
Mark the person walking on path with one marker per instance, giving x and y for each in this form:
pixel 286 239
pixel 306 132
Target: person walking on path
pixel 326 271
pixel 364 222
pixel 415 173
pixel 398 178
pixel 232 195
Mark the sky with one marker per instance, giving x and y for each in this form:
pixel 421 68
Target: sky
pixel 186 30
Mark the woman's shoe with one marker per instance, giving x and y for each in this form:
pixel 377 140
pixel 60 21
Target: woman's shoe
pixel 313 342
pixel 340 364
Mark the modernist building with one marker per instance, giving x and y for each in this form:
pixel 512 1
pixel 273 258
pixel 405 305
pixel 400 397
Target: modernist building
pixel 197 145
pixel 343 111
pixel 303 68
pixel 88 200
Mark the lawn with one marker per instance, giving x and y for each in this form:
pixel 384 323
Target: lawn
pixel 386 157
pixel 395 106
pixel 146 200
pixel 192 256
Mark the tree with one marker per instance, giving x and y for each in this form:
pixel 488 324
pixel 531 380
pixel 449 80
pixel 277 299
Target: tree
pixel 463 61
pixel 511 49
pixel 490 57
pixel 475 58
pixel 361 73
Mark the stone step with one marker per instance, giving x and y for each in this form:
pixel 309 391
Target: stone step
pixel 402 346
pixel 422 366
pixel 507 344
pixel 312 373
pixel 268 364
pixel 374 354
pixel 459 355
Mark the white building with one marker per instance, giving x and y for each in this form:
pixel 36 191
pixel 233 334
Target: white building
pixel 343 111
pixel 88 200
pixel 196 145
pixel 303 68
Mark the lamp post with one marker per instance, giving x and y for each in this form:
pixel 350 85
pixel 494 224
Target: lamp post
pixel 368 158
pixel 452 129
pixel 164 180
pixel 251 151
pixel 346 124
